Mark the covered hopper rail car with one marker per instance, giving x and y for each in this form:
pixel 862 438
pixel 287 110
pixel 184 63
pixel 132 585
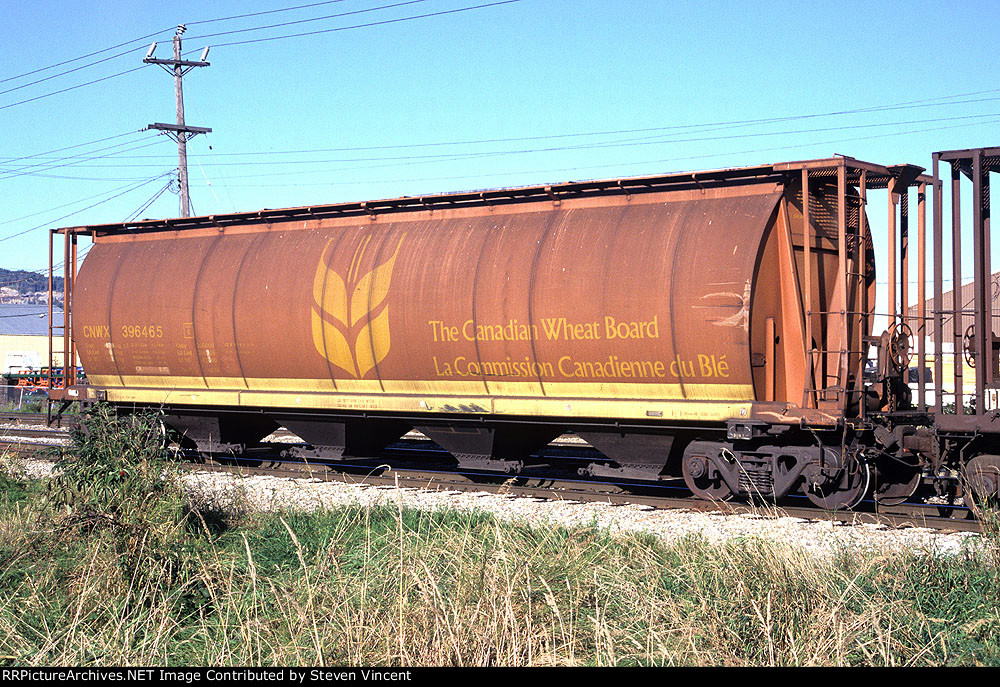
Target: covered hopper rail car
pixel 717 326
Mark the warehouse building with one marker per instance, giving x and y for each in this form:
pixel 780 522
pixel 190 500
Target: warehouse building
pixel 953 338
pixel 24 345
pixel 24 336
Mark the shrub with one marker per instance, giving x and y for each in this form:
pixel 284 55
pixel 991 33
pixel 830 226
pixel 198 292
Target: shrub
pixel 117 470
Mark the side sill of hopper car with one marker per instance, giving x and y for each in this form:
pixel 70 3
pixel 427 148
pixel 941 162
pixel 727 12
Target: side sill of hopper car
pixel 564 407
pixel 495 389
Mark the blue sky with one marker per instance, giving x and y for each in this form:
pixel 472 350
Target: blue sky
pixel 535 91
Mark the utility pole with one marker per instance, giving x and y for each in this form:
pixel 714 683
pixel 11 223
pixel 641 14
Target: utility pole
pixel 180 132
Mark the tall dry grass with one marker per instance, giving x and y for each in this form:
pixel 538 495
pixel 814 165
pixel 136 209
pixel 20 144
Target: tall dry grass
pixel 123 572
pixel 383 586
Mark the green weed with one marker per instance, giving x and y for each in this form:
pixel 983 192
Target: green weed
pixel 156 581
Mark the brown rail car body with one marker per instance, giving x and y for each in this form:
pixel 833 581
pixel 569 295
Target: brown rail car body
pixel 665 319
pixel 620 307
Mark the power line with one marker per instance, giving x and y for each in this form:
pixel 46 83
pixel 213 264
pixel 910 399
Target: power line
pixel 77 145
pixel 306 21
pixel 59 219
pixel 68 71
pixel 257 14
pixel 343 28
pixel 260 28
pixel 142 208
pixel 83 57
pixel 632 163
pixel 369 24
pixel 611 144
pixel 928 102
pixel 79 178
pixel 25 171
pixel 49 162
pixel 678 128
pixel 58 265
pixel 805 145
pixel 73 88
pixel 597 145
pixel 446 157
pixel 157 33
pixel 211 151
pixel 64 205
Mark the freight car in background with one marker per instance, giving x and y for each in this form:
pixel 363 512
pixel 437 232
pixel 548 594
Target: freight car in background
pixel 713 326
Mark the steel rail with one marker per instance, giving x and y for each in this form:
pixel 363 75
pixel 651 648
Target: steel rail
pixel 432 472
pixel 566 489
pixel 25 418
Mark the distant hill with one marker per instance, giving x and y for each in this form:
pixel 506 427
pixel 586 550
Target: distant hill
pixel 22 286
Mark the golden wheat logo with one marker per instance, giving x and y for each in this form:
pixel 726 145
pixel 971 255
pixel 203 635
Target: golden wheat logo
pixel 341 305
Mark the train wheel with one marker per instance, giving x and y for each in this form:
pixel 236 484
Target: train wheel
pixel 704 480
pixel 847 492
pixel 982 481
pixel 896 481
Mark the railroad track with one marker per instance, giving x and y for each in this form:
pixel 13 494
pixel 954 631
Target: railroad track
pixel 10 417
pixel 28 445
pixel 28 432
pixel 669 495
pixel 416 465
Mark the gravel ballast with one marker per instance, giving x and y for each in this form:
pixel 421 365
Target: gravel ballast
pixel 820 536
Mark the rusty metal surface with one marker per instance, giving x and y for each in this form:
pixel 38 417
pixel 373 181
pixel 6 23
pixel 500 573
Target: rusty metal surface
pixel 647 296
pixel 879 176
pixel 972 328
pixel 823 254
pixel 576 190
pixel 515 294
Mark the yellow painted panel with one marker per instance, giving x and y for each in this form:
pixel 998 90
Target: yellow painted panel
pixel 160 382
pixel 708 392
pixel 625 409
pixel 534 407
pixel 225 382
pixel 381 403
pixel 175 396
pixel 104 380
pixel 306 385
pixel 511 388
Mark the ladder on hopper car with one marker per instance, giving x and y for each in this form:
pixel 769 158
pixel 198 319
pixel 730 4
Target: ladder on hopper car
pixel 836 355
pixel 962 323
pixel 972 331
pixel 69 376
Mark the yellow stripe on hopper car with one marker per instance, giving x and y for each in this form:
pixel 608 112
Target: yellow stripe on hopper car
pixel 632 401
pixel 583 390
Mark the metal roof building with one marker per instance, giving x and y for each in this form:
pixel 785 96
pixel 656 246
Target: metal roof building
pixel 19 319
pixel 966 295
pixel 24 336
